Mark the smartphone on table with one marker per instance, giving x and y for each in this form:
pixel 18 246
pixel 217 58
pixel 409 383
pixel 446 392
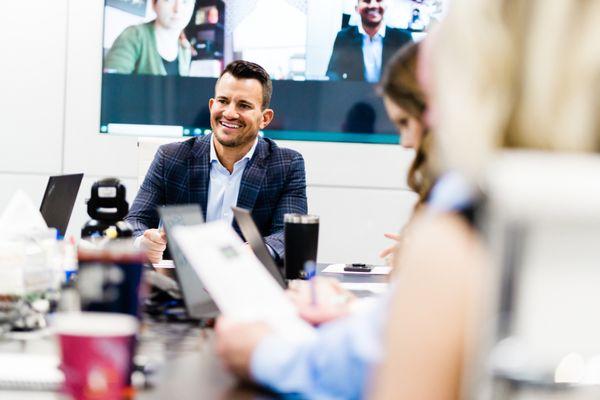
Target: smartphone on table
pixel 358 267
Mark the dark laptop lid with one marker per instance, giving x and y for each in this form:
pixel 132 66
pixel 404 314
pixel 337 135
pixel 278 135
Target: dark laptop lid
pixel 257 244
pixel 59 199
pixel 198 303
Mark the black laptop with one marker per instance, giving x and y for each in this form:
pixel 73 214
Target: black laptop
pixel 198 303
pixel 257 244
pixel 59 199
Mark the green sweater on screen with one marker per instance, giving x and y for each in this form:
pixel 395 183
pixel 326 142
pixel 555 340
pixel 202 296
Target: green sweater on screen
pixel 134 52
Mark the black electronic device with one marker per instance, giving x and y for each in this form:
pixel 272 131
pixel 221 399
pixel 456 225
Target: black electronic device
pixel 358 267
pixel 59 198
pixel 197 301
pixel 219 31
pixel 107 207
pixel 257 244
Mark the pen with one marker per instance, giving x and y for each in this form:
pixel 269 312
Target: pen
pixel 310 269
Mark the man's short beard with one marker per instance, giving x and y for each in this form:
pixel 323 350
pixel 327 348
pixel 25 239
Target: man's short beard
pixel 233 144
pixel 369 24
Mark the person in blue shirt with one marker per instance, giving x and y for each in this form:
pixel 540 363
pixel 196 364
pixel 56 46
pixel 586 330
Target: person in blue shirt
pixel 338 361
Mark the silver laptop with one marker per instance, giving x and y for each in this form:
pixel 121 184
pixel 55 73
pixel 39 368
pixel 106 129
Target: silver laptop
pixel 257 244
pixel 198 303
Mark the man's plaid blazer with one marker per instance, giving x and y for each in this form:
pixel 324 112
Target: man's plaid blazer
pixel 273 184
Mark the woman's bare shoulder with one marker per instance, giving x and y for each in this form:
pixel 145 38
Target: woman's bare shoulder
pixel 443 247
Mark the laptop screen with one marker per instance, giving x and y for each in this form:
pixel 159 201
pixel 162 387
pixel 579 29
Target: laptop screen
pixel 257 244
pixel 198 302
pixel 59 199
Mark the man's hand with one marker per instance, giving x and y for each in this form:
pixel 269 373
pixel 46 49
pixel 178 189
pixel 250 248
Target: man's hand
pixel 331 300
pixel 388 253
pixel 154 243
pixel 236 342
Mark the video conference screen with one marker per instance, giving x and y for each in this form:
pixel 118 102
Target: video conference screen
pixel 162 58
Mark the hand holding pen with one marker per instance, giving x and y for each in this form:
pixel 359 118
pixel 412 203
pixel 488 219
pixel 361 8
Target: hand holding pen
pixel 310 268
pixel 320 299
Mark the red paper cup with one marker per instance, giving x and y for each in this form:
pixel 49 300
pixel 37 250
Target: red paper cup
pixel 96 350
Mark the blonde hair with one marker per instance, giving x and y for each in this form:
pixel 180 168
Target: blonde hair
pixel 519 74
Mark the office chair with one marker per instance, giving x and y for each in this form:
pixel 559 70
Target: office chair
pixel 542 223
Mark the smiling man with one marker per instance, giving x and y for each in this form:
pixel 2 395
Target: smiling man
pixel 360 51
pixel 232 166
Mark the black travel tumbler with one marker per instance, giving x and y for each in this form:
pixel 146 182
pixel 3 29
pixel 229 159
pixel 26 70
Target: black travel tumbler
pixel 301 242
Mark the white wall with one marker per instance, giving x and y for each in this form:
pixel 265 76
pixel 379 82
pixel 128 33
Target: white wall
pixel 32 95
pixel 323 25
pixel 50 102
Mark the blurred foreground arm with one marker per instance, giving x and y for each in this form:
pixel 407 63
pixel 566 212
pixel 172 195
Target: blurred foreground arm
pixel 236 342
pixel 432 313
pixel 334 363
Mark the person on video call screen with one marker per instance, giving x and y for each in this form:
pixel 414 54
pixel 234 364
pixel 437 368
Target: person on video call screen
pixel 158 47
pixel 359 52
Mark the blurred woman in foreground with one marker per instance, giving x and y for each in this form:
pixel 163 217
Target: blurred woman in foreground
pixel 528 77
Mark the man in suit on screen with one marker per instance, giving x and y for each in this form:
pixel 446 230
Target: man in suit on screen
pixel 232 166
pixel 360 51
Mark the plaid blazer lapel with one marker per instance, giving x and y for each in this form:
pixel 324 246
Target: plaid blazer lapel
pixel 253 177
pixel 199 172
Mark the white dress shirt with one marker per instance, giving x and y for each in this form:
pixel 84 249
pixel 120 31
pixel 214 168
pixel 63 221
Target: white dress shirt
pixel 224 187
pixel 372 49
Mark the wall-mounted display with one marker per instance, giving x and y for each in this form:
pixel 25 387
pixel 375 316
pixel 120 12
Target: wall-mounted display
pixel 325 59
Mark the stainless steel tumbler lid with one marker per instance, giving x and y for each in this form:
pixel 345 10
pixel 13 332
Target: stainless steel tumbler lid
pixel 301 218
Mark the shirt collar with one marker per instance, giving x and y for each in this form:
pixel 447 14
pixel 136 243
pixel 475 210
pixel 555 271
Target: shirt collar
pixel 380 32
pixel 213 152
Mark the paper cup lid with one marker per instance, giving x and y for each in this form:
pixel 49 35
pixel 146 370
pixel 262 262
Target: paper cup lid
pixel 94 324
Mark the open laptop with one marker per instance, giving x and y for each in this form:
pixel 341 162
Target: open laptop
pixel 257 244
pixel 198 303
pixel 59 199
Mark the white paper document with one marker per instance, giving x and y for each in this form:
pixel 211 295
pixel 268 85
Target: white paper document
pixel 375 288
pixel 339 269
pixel 29 372
pixel 168 264
pixel 236 280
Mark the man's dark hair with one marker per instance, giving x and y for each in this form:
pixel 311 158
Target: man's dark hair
pixel 241 69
